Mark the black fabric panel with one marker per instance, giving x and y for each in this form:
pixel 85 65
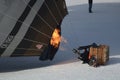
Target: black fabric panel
pixel 18 24
pixel 25 51
pixel 45 14
pixel 62 7
pixel 52 6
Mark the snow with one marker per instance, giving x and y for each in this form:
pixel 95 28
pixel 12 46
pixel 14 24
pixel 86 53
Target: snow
pixel 78 28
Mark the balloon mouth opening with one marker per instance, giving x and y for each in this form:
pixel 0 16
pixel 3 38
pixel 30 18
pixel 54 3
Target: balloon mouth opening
pixel 53 45
pixel 56 38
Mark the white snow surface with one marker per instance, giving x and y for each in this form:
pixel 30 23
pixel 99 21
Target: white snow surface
pixel 78 28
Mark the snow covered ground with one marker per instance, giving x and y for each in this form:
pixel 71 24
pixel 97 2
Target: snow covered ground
pixel 78 28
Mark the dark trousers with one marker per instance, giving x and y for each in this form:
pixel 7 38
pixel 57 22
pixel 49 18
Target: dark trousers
pixel 90 5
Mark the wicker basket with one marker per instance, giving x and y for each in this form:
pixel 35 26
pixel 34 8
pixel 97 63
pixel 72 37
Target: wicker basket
pixel 101 53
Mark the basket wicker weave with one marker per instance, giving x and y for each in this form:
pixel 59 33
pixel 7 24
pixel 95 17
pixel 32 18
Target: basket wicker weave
pixel 101 53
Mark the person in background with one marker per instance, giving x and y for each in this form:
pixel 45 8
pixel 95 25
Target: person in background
pixel 90 2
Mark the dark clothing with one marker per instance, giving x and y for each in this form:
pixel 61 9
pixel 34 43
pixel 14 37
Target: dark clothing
pixel 84 56
pixel 90 5
pixel 90 1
